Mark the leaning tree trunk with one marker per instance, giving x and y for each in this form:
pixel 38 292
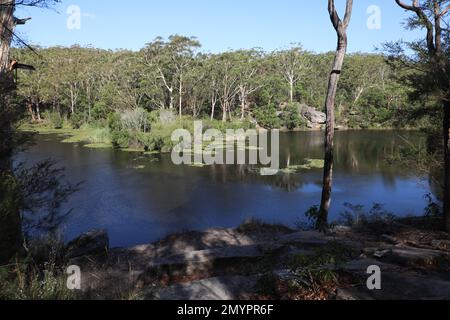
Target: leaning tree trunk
pixel 447 165
pixel 341 30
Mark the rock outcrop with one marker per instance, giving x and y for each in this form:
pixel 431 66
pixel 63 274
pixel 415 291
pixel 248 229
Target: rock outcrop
pixel 226 264
pixel 312 115
pixel 94 243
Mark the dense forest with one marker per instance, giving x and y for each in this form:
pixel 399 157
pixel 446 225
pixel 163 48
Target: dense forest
pixel 80 87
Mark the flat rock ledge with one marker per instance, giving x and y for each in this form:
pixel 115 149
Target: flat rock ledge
pixel 225 264
pixel 212 289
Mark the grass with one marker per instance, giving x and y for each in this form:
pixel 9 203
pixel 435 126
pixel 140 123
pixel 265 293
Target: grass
pixel 309 276
pixel 93 138
pixel 40 275
pixel 135 150
pixel 98 146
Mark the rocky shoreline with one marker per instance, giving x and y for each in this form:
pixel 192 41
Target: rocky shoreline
pixel 230 264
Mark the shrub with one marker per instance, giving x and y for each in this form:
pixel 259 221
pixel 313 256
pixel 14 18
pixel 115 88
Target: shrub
pixel 318 270
pixel 101 135
pixel 376 221
pixel 267 117
pixel 38 276
pixel 54 119
pixel 77 120
pixel 135 120
pixel 224 126
pixel 167 117
pixel 291 117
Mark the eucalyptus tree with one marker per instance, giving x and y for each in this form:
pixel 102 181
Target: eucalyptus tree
pixel 432 60
pixel 210 65
pixel 340 27
pixel 157 57
pixel 129 81
pixel 31 85
pixel 171 59
pixel 364 72
pixel 182 57
pixel 248 64
pixel 228 83
pixel 293 64
pixel 197 86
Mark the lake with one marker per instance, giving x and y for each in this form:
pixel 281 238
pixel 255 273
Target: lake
pixel 142 198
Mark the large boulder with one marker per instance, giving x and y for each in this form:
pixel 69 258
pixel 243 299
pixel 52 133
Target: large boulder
pixel 312 115
pixel 94 243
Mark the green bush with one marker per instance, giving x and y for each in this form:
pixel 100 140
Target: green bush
pixel 54 119
pixel 267 117
pixel 224 126
pixel 38 276
pixel 77 120
pixel 291 117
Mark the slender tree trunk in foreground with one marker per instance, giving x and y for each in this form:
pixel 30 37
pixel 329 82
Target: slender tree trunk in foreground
pixel 341 30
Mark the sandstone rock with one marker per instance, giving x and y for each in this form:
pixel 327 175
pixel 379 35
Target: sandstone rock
pixel 219 288
pixel 400 286
pixel 92 243
pixel 410 256
pixel 312 115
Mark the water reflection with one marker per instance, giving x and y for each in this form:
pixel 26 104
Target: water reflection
pixel 143 198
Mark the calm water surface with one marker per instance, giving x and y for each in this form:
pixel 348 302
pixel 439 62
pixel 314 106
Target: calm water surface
pixel 139 199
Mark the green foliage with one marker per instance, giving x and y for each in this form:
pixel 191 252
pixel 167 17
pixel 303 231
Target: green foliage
pixel 54 119
pixel 267 117
pixel 319 269
pixel 224 126
pixel 291 117
pixel 99 83
pixel 38 276
pixel 376 221
pixel 77 120
pixel 314 216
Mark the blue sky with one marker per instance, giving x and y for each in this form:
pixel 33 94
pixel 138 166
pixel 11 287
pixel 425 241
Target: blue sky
pixel 219 24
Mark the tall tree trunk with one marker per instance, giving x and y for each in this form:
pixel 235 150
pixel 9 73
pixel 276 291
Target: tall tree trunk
pixel 291 91
pixel 171 101
pixel 341 30
pixel 447 164
pixel 10 222
pixel 72 101
pixel 213 108
pixel 329 134
pixel 243 105
pixel 38 112
pixel 225 112
pixel 181 96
